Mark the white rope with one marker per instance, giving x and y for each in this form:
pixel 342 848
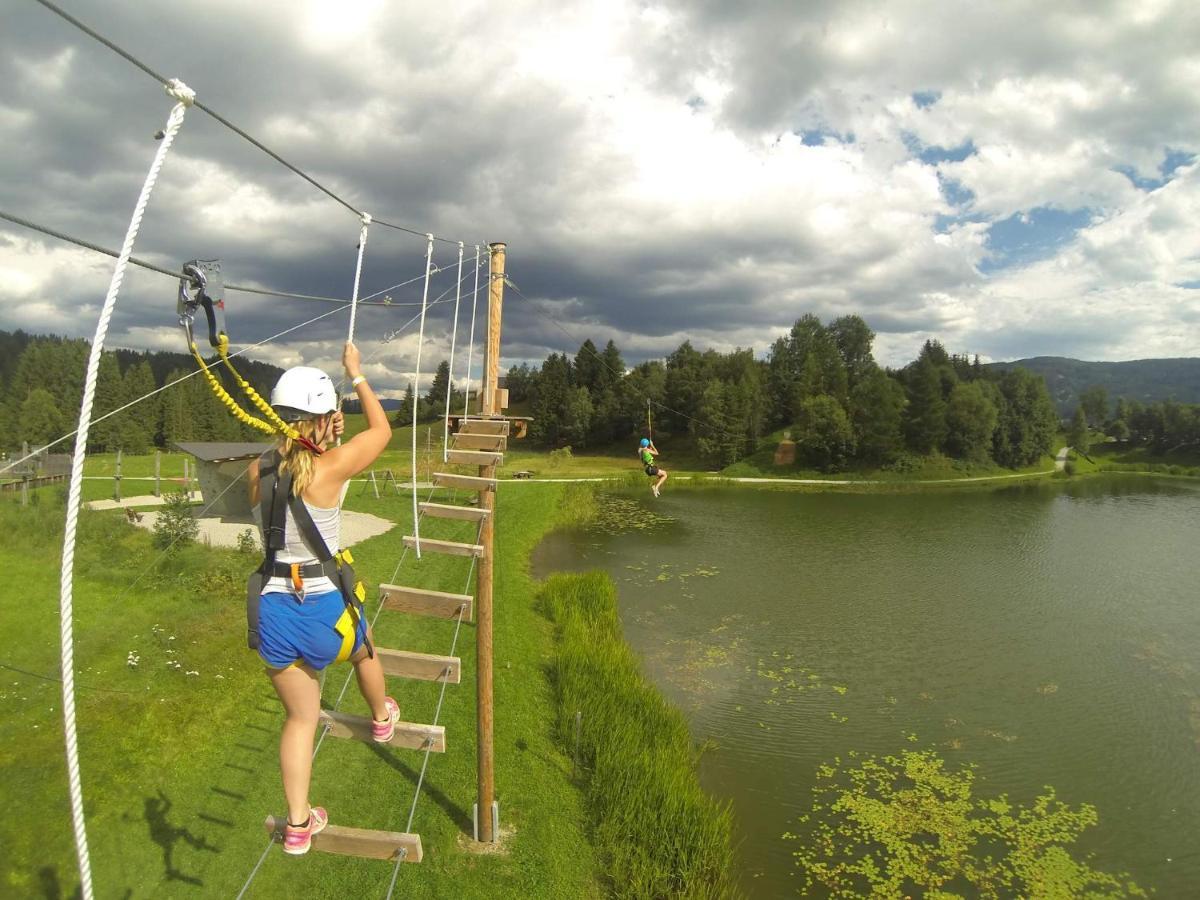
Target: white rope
pixel 471 342
pixel 362 246
pixel 185 97
pixel 417 389
pixel 450 375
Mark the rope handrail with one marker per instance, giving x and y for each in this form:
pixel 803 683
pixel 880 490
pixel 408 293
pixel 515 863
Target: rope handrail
pixel 162 270
pixel 442 298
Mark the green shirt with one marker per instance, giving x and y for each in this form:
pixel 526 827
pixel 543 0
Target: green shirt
pixel 647 456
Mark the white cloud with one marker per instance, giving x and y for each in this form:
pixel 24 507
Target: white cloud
pixel 646 162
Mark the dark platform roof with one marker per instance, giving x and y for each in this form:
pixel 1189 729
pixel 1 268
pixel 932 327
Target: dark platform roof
pixel 222 451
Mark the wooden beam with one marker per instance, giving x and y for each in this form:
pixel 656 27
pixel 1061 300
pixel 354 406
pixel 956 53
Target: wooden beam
pixel 470 482
pixel 474 458
pixel 446 511
pixel 452 548
pixel 467 441
pixel 420 666
pixel 425 603
pixel 483 426
pixel 357 841
pixel 414 737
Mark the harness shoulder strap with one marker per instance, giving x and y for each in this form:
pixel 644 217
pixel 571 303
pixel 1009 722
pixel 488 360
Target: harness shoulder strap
pixel 273 487
pixel 308 528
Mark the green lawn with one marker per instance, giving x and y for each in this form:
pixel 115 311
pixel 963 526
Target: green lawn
pixel 178 754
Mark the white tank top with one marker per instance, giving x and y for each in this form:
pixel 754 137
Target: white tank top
pixel 328 522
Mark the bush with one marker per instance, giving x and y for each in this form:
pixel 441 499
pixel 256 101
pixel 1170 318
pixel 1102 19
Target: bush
pixel 248 543
pixel 657 831
pixel 1069 467
pixel 175 526
pixel 560 456
pixel 905 464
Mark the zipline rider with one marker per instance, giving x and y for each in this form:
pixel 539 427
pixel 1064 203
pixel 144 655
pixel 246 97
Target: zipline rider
pixel 647 453
pixel 304 608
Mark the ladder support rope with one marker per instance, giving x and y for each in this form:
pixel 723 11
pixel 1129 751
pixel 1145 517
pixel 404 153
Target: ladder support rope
pixel 417 389
pixel 450 375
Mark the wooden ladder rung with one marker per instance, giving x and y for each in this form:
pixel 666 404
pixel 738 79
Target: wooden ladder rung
pixel 474 458
pixel 357 841
pixel 468 441
pixel 446 511
pixel 422 602
pixel 414 737
pixel 483 426
pixel 420 666
pixel 470 482
pixel 453 548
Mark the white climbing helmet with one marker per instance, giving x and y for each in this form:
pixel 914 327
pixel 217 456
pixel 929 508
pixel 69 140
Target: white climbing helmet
pixel 303 392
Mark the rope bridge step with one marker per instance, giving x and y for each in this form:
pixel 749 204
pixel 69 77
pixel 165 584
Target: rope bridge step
pixel 483 426
pixel 357 841
pixel 422 602
pixel 412 736
pixel 474 458
pixel 469 482
pixel 467 441
pixel 446 511
pixel 420 666
pixel 453 548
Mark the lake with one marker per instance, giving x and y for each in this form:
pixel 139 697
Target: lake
pixel 1048 632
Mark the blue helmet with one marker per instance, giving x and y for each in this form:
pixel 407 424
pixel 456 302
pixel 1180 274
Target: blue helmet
pixel 645 442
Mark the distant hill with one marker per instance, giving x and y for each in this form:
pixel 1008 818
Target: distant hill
pixel 1137 379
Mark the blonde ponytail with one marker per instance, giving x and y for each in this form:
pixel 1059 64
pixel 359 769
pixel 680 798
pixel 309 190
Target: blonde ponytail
pixel 298 459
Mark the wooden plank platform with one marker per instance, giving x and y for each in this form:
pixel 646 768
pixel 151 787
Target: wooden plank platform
pixel 453 548
pixel 483 426
pixel 425 603
pixel 357 841
pixel 470 482
pixel 446 511
pixel 412 736
pixel 420 666
pixel 467 441
pixel 474 458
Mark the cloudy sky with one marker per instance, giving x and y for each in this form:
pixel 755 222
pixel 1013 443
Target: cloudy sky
pixel 1016 179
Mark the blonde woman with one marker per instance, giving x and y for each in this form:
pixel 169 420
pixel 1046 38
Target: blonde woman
pixel 302 612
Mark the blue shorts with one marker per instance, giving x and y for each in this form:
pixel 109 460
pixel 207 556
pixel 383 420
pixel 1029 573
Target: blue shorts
pixel 318 630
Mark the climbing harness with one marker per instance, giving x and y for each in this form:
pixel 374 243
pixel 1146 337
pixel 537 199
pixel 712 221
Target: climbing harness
pixel 202 287
pixel 276 497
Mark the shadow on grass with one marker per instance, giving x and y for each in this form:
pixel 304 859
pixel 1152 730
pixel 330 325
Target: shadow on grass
pixel 457 814
pixel 156 811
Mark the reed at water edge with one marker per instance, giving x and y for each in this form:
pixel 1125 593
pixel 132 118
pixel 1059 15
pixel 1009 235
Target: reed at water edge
pixel 658 832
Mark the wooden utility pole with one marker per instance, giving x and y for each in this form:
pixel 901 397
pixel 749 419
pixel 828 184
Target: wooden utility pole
pixel 487 814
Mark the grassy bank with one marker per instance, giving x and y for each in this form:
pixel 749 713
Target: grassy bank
pixel 1115 457
pixel 178 751
pixel 658 833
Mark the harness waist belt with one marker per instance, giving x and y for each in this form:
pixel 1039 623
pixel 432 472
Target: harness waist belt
pixel 308 570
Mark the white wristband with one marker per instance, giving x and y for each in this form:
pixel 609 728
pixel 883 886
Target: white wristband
pixel 357 380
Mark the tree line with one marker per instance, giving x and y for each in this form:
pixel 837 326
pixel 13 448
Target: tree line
pixel 1163 425
pixel 41 384
pixel 820 382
